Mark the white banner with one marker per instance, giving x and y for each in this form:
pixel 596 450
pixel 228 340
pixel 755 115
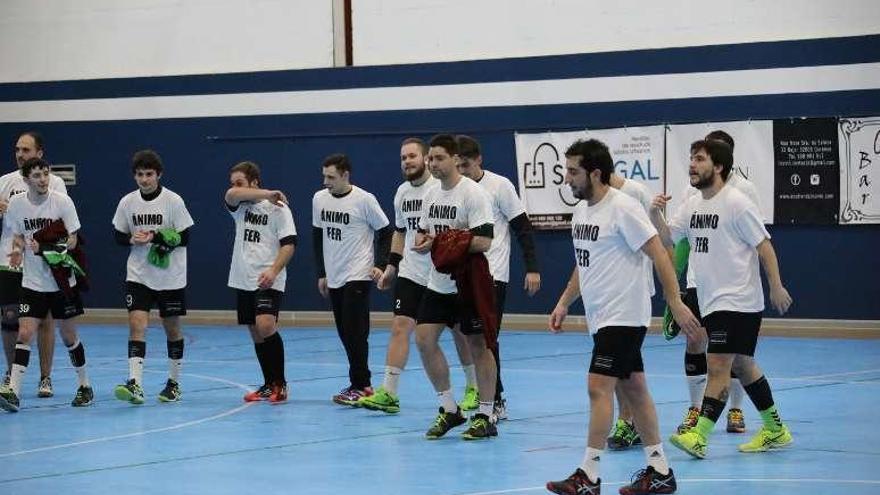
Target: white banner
pixel 637 153
pixel 752 158
pixel 859 140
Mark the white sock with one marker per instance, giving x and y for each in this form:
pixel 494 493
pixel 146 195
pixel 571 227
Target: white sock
pixel 174 367
pixel 470 374
pixel 696 388
pixel 736 394
pixel 136 369
pixel 15 378
pixel 657 458
pixel 392 379
pixel 590 465
pixel 81 376
pixel 447 401
pixel 486 408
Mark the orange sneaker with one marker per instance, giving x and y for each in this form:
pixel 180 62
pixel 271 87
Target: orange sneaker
pixel 259 394
pixel 279 394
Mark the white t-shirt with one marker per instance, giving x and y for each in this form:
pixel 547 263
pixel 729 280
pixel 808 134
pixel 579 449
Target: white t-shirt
pixel 642 194
pixel 349 224
pixel 12 184
pixel 506 206
pixel 723 232
pixel 407 210
pixel 608 238
pixel 259 228
pixel 465 206
pixel 738 182
pixel 25 218
pixel 165 211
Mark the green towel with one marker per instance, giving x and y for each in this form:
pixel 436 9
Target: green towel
pixel 164 241
pixel 62 258
pixel 682 251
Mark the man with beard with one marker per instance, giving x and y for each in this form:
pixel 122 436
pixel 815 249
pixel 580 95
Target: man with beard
pixel 29 145
pixel 727 238
pixel 411 269
pixel 612 235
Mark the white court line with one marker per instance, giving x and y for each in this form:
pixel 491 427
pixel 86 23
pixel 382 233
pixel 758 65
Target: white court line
pixel 847 373
pixel 147 432
pixel 700 480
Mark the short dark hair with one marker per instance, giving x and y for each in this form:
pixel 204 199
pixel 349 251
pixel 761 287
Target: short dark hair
pixel 250 170
pixel 32 163
pixel 445 141
pixel 468 147
pixel 338 160
pixel 719 151
pixel 594 156
pixel 36 136
pixel 419 142
pixel 146 160
pixel 719 135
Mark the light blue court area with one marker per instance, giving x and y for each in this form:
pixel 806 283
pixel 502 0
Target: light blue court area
pixel 827 390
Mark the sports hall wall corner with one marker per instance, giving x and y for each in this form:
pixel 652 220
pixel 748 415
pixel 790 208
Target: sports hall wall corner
pixel 209 84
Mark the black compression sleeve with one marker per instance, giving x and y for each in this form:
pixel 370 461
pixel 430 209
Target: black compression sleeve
pixel 522 227
pixel 184 237
pixel 485 230
pixel 291 239
pixel 122 238
pixel 383 246
pixel 318 248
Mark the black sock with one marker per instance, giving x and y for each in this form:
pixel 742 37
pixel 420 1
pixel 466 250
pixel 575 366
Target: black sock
pixel 760 394
pixel 137 348
pixel 22 355
pixel 78 355
pixel 712 408
pixel 263 360
pixel 175 349
pixel 275 351
pixel 695 364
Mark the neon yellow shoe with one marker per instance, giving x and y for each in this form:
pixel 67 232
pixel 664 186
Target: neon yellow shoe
pixel 471 399
pixel 765 440
pixel 381 400
pixel 691 442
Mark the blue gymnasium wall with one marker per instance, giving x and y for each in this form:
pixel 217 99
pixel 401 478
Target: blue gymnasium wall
pixel 832 272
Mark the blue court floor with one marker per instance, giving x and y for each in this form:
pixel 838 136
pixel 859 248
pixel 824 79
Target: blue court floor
pixel 828 391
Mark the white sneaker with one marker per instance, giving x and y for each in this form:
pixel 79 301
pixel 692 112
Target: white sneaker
pixel 45 389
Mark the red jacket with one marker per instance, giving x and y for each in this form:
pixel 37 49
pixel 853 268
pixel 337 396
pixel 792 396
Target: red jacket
pixel 470 271
pixel 51 234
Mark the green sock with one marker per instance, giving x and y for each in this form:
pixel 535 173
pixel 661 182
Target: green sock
pixel 771 418
pixel 704 426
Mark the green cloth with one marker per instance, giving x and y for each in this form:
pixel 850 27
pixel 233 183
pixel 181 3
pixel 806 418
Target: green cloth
pixel 680 261
pixel 62 258
pixel 164 241
pixel 704 426
pixel 771 419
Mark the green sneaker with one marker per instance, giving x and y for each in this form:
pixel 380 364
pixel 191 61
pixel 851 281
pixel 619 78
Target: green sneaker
pixel 84 397
pixel 8 400
pixel 381 400
pixel 765 440
pixel 481 428
pixel 623 436
pixel 471 399
pixel 691 442
pixel 445 421
pixel 171 392
pixel 129 391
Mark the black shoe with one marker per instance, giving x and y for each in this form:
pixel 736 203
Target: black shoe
pixel 84 397
pixel 481 428
pixel 650 481
pixel 576 484
pixel 445 421
pixel 171 392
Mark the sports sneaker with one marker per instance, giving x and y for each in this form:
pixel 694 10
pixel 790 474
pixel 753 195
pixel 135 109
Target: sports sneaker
pixel 6 380
pixel 481 428
pixel 279 393
pixel 130 391
pixel 259 394
pixel 736 422
pixel 689 421
pixel 650 481
pixel 171 392
pixel 691 442
pixel 45 389
pixel 471 399
pixel 445 421
pixel 381 400
pixel 766 439
pixel 349 396
pixel 623 436
pixel 499 409
pixel 576 484
pixel 84 397
pixel 8 400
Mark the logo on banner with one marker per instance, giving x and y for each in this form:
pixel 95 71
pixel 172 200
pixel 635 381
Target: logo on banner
pixel 535 172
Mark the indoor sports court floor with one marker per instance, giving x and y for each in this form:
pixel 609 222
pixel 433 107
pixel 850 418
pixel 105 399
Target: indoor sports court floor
pixel 828 391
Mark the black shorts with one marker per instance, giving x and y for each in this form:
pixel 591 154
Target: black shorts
pixel 467 324
pixel 438 308
pixel 617 351
pixel 407 298
pixel 733 332
pixel 689 298
pixel 251 303
pixel 35 304
pixel 139 297
pixel 10 287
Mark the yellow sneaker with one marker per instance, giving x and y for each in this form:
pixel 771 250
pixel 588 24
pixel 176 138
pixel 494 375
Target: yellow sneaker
pixel 765 440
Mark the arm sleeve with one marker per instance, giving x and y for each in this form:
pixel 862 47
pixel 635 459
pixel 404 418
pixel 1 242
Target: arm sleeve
pixel 750 226
pixel 635 226
pixel 68 214
pixel 184 237
pixel 375 216
pixel 383 246
pixel 182 218
pixel 522 228
pixel 122 238
pixel 318 248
